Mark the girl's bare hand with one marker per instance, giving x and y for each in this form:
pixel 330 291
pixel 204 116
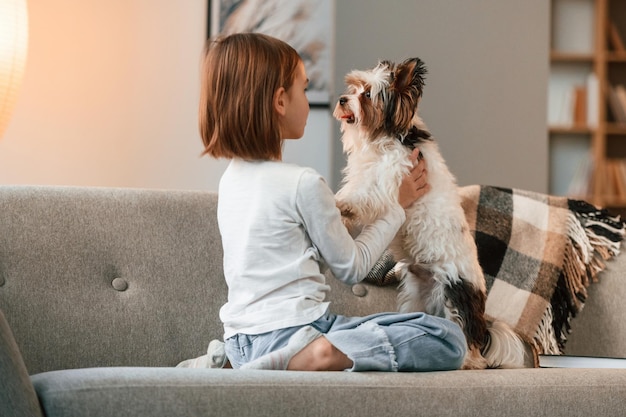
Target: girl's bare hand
pixel 415 184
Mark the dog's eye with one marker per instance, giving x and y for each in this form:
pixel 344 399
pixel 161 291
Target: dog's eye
pixel 368 94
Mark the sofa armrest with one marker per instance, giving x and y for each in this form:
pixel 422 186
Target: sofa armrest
pixel 600 329
pixel 17 395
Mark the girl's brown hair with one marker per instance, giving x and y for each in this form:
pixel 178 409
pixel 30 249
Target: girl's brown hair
pixel 240 74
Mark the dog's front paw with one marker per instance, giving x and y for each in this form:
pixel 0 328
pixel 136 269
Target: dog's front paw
pixel 347 211
pixel 349 217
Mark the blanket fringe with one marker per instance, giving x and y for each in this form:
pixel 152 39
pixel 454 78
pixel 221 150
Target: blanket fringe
pixel 595 237
pixel 382 273
pixel 545 339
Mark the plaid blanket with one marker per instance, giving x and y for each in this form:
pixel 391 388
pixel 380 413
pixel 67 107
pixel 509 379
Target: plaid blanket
pixel 539 254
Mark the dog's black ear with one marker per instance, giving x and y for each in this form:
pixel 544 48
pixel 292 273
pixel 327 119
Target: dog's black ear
pixel 412 72
pixel 405 90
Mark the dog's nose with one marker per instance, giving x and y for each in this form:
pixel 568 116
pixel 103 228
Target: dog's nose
pixel 342 100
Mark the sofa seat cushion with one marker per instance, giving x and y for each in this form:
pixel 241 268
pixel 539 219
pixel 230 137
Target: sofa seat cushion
pixel 100 392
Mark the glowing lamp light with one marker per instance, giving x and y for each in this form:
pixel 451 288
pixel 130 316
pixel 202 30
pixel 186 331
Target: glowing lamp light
pixel 13 47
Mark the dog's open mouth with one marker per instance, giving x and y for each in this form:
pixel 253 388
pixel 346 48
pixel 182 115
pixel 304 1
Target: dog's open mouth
pixel 349 118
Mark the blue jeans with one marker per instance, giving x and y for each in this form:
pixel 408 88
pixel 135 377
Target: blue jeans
pixel 379 342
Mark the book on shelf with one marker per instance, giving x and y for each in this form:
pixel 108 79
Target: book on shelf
pixel 580 184
pixel 613 176
pixel 617 180
pixel 621 169
pixel 615 40
pixel 571 107
pixel 561 108
pixel 569 361
pixel 621 96
pixel 580 106
pixel 593 95
pixel 617 102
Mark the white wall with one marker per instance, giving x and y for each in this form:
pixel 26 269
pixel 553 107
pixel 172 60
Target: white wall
pixel 109 98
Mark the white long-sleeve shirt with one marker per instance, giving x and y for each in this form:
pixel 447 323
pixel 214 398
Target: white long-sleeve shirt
pixel 278 223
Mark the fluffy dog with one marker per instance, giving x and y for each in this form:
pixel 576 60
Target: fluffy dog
pixel 437 258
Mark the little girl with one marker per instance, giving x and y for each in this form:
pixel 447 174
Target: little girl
pixel 279 225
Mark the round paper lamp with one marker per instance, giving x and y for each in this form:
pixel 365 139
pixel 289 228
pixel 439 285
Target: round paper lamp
pixel 13 46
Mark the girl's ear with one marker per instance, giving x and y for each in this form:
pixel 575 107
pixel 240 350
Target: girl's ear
pixel 279 101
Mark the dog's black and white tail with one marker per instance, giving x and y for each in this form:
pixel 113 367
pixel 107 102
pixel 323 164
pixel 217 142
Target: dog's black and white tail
pixel 491 343
pixel 505 349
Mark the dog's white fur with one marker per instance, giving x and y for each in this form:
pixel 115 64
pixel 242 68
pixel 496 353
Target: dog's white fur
pixel 435 237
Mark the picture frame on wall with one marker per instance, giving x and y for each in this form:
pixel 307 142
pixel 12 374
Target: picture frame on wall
pixel 307 25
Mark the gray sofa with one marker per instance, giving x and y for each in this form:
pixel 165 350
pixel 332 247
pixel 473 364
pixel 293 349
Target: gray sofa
pixel 103 291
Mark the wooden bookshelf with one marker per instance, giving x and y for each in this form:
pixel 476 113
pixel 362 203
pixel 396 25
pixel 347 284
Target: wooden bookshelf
pixel 596 64
pixel 616 57
pixel 573 129
pixel 556 56
pixel 613 128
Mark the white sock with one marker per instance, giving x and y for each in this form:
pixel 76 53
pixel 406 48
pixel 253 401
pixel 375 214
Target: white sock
pixel 215 357
pixel 216 354
pixel 279 359
pixel 199 362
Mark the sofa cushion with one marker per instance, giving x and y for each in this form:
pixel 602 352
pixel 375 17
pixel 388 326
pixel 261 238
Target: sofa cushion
pixel 113 392
pixel 109 277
